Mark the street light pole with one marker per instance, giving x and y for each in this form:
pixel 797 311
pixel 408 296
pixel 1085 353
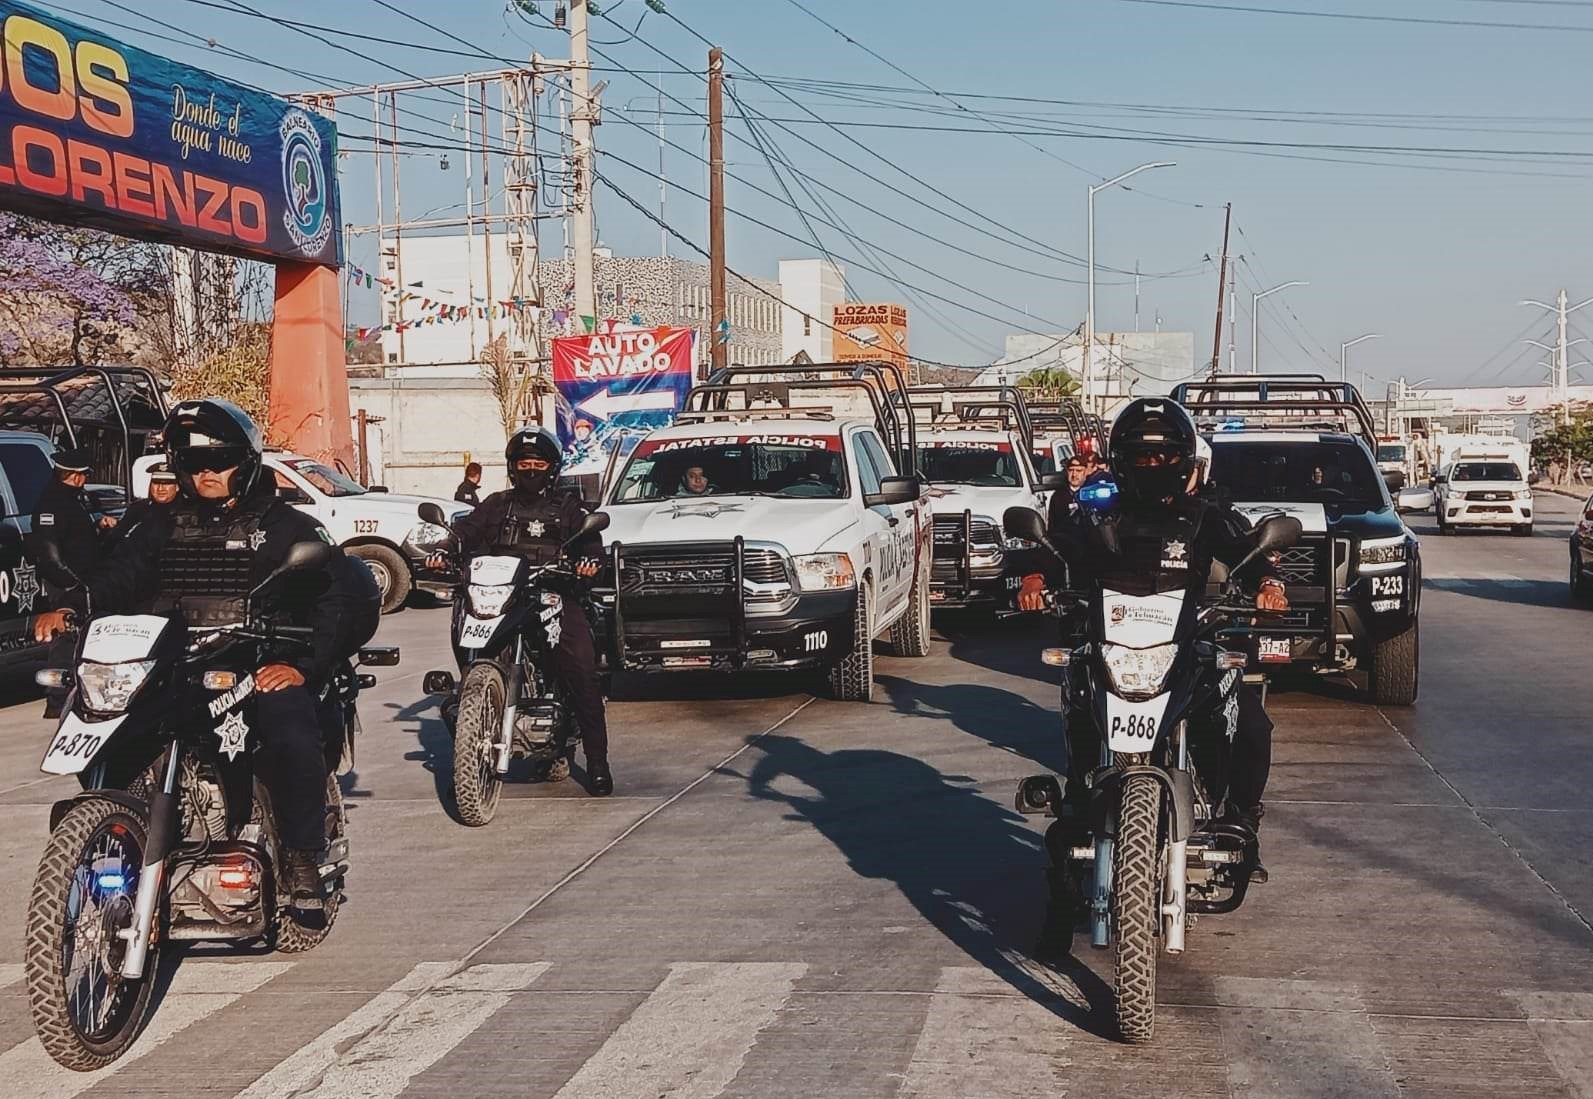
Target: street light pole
pixel 1346 345
pixel 1089 312
pixel 1255 327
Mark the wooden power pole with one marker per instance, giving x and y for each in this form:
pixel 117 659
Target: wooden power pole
pixel 718 343
pixel 1222 279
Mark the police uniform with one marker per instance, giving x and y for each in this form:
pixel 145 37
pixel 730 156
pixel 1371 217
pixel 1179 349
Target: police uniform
pixel 62 519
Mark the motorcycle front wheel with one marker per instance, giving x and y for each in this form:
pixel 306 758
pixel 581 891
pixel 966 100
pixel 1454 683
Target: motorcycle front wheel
pixel 1136 908
pixel 477 783
pixel 86 1014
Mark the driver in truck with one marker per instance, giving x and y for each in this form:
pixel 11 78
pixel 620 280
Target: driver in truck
pixel 1164 525
pixel 535 517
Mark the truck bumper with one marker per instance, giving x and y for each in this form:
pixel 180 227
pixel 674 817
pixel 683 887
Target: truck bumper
pixel 815 633
pixel 1490 513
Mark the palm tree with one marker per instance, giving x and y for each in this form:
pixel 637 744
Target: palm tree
pixel 1050 382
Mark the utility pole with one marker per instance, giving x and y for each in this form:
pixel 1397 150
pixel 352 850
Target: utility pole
pixel 1136 295
pixel 1222 277
pixel 717 343
pixel 1233 318
pixel 581 147
pixel 1561 375
pixel 663 181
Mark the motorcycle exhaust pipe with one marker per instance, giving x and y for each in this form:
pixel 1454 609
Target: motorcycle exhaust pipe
pixel 1101 902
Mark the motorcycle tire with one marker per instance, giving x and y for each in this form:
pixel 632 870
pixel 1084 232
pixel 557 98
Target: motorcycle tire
pixel 1136 907
pixel 477 783
pixel 294 932
pixel 67 875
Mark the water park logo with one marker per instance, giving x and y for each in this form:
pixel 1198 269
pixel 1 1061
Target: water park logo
pixel 305 185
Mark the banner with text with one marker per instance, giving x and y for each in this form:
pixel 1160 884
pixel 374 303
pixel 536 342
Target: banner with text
pixel 866 331
pixel 610 385
pixel 94 132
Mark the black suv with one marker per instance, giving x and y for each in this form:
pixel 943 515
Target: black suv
pixel 1304 446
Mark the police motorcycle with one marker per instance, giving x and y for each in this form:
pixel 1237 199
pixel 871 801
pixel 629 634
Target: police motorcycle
pixel 508 707
pixel 173 837
pixel 1153 850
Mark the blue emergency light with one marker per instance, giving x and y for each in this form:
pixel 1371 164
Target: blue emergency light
pixel 1098 495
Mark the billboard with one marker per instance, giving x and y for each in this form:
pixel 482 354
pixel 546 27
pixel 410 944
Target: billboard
pixel 617 384
pixel 94 132
pixel 871 331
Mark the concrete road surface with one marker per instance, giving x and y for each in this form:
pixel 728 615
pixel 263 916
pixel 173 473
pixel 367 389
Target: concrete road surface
pixel 798 898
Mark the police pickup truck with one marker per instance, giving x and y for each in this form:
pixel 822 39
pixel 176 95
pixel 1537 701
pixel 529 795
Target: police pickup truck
pixel 764 531
pixel 375 525
pixel 974 452
pixel 1304 446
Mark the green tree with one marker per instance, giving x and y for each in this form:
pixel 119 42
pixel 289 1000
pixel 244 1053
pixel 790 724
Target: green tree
pixel 1554 441
pixel 1050 382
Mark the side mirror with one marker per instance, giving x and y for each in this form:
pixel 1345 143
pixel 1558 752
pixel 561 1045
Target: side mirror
pixel 894 490
pixel 1394 479
pixel 301 557
pixel 291 494
pixel 375 488
pixel 431 513
pixel 1440 479
pixel 1277 532
pixel 595 523
pixel 1025 523
pixel 1053 482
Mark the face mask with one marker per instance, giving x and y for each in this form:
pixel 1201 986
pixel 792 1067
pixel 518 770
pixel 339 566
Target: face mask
pixel 532 481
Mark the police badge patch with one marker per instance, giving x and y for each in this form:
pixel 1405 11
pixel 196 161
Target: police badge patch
pixel 536 528
pixel 1175 554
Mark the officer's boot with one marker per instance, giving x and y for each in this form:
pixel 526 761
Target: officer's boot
pixel 599 779
pixel 1249 818
pixel 301 871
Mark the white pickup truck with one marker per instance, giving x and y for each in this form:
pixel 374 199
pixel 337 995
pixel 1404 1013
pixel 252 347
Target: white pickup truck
pixel 767 538
pixel 1484 485
pixel 375 525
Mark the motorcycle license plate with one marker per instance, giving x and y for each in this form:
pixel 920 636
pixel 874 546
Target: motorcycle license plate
pixel 1274 650
pixel 1132 726
pixel 476 632
pixel 76 743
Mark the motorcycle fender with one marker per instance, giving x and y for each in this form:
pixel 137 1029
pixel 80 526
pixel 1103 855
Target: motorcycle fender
pixel 1179 787
pixel 126 800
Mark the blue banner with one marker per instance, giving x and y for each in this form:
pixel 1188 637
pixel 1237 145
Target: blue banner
pixel 615 385
pixel 94 132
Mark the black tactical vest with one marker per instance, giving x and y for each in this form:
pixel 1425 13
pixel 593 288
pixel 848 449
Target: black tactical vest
pixel 207 568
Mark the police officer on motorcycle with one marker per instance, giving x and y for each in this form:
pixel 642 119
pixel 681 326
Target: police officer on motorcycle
pixel 201 557
pixel 534 518
pixel 1164 521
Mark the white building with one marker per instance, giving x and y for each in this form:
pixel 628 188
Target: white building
pixel 812 288
pixel 1125 364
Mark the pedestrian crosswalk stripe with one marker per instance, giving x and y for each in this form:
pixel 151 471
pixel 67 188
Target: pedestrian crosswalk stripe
pixel 311 1060
pixel 199 989
pixel 1288 1038
pixel 10 975
pixel 425 1029
pixel 689 1038
pixel 983 1037
pixel 1563 1024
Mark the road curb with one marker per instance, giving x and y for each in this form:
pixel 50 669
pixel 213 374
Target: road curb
pixel 1567 493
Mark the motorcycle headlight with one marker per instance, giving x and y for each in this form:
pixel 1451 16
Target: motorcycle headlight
pixel 825 572
pixel 1383 554
pixel 424 535
pixel 1138 674
pixel 108 688
pixel 488 600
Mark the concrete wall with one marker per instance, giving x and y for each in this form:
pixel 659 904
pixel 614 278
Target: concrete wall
pixel 430 428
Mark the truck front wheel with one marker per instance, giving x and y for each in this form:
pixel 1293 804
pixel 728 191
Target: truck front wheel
pixel 1394 677
pixel 852 679
pixel 391 572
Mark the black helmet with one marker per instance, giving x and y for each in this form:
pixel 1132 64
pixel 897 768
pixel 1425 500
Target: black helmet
pixel 1153 450
pixel 213 434
pixel 533 443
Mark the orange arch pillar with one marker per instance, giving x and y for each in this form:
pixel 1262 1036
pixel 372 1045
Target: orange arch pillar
pixel 309 375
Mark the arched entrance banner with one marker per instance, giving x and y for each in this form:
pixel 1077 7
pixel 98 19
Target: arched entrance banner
pixel 97 133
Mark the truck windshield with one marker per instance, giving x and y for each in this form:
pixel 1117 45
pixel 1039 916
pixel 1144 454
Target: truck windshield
pixel 805 467
pixel 1487 471
pixel 1391 452
pixel 1311 473
pixel 969 463
pixel 329 481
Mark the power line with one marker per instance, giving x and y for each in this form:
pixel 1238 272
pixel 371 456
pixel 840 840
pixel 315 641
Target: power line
pixel 1363 18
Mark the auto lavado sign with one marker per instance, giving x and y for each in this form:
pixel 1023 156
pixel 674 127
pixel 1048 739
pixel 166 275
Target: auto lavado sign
pixel 95 132
pixel 626 381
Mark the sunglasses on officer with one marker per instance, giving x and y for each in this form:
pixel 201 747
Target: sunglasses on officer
pixel 208 459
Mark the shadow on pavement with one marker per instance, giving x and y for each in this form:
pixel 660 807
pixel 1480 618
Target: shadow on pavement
pixel 971 867
pixel 709 686
pixel 1009 646
pixel 1000 718
pixel 1525 593
pixel 435 752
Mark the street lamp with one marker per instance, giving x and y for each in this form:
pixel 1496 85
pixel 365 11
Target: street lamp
pixel 1089 312
pixel 1255 333
pixel 1345 346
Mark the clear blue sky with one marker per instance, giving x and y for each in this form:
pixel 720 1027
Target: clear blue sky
pixel 1434 257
